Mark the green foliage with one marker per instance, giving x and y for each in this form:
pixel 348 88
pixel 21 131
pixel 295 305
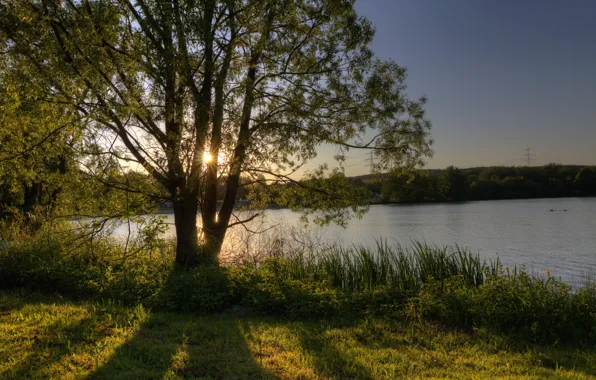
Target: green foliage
pixel 36 153
pixel 453 184
pixel 585 181
pixel 201 289
pixel 66 264
pixel 450 286
pixel 403 269
pixel 44 174
pixel 447 301
pixel 357 279
pixel 271 288
pixel 517 303
pixel 329 197
pixel 259 85
pixel 542 309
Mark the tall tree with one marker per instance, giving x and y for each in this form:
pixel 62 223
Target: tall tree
pixel 452 185
pixel 585 181
pixel 36 142
pixel 202 91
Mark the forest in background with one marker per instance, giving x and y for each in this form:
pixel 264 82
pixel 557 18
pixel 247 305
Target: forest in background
pixel 482 183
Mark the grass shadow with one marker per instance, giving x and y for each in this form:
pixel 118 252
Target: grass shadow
pixel 329 360
pixel 13 300
pixel 48 338
pixel 441 342
pixel 49 346
pixel 40 334
pixel 549 357
pixel 182 345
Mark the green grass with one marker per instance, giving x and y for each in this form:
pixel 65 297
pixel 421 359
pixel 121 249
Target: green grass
pixel 447 285
pixel 359 268
pixel 46 337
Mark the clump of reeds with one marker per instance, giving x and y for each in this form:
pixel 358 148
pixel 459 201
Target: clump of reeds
pixel 358 268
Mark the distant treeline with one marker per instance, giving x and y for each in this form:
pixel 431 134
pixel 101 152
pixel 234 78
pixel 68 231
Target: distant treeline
pixel 484 183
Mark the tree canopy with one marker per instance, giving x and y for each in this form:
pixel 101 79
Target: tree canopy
pixel 200 92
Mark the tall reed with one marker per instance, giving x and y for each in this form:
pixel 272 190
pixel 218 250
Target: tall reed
pixel 358 267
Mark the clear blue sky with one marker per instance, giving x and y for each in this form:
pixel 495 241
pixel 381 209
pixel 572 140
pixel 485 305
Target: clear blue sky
pixel 500 75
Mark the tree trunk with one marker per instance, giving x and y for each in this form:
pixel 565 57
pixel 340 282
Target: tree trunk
pixel 213 241
pixel 32 199
pixel 187 239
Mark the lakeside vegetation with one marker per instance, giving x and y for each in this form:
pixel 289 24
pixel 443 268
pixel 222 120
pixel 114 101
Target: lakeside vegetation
pixel 70 309
pixel 449 285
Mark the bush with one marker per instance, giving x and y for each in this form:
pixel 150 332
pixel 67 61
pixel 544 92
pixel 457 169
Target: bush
pixel 202 289
pixel 449 301
pixel 528 307
pixel 541 309
pixel 270 289
pixel 383 300
pixel 273 287
pixel 46 263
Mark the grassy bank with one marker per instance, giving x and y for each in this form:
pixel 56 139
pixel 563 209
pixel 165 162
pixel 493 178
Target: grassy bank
pixel 440 285
pixel 48 337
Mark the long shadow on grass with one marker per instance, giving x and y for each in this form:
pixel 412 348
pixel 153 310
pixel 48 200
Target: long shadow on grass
pixel 544 357
pixel 184 345
pixel 48 349
pixel 328 360
pixel 547 356
pixel 13 300
pixel 48 343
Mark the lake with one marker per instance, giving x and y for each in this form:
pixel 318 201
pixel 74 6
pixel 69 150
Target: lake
pixel 517 231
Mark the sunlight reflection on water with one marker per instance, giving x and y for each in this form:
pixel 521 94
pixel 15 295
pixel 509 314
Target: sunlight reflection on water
pixel 517 231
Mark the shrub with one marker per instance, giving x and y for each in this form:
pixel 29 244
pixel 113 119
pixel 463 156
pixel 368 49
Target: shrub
pixel 202 289
pixel 383 300
pixel 540 309
pixel 449 301
pixel 269 288
pixel 52 263
pixel 528 307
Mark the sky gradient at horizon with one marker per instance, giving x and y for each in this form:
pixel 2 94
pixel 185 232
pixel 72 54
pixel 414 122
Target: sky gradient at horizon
pixel 499 76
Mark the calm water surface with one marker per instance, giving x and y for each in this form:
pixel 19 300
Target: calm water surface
pixel 517 231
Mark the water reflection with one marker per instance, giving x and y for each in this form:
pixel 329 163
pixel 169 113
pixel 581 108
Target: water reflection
pixel 518 231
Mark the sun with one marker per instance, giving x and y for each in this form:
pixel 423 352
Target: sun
pixel 207 157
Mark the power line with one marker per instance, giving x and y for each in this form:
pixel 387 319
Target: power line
pixel 528 156
pixel 371 162
pixel 348 158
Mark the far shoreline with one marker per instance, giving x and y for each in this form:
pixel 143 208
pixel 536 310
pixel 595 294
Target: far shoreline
pixel 170 210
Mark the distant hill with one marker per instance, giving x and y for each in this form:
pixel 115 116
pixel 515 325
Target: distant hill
pixel 482 183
